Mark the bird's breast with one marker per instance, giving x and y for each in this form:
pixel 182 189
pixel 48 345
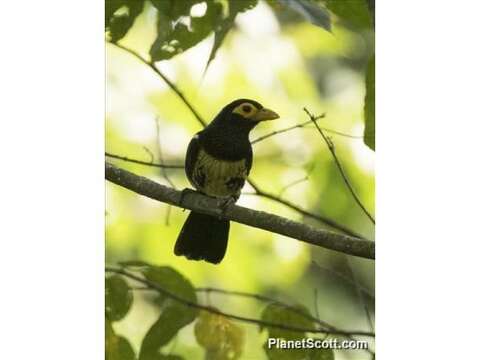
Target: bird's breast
pixel 219 178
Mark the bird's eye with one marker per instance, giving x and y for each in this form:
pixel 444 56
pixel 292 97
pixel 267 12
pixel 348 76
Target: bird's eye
pixel 246 108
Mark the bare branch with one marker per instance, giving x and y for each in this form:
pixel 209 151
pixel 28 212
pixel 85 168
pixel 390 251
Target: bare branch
pixel 140 162
pixel 359 294
pixel 160 155
pixel 366 292
pixel 331 148
pixel 212 310
pixel 172 86
pixel 303 125
pixel 259 219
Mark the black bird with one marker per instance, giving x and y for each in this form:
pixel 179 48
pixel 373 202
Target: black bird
pixel 218 161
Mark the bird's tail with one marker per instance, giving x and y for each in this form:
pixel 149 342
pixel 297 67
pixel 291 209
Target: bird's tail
pixel 203 237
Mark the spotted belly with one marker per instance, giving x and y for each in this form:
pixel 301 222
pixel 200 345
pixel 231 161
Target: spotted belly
pixel 218 178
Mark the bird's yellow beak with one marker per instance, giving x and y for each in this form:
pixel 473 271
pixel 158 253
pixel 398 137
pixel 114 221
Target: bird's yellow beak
pixel 265 114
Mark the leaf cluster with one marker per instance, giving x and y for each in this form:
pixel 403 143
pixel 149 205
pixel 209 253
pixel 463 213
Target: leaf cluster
pixel 276 313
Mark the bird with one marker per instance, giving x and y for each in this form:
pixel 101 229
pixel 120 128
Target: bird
pixel 217 163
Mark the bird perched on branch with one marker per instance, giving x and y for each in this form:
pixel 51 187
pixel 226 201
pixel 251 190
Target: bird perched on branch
pixel 218 161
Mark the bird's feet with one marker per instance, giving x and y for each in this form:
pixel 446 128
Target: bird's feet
pixel 184 194
pixel 226 203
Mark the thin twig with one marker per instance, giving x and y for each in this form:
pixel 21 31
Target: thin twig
pixel 268 299
pixel 331 148
pixel 323 219
pixel 293 183
pixel 296 182
pixel 160 154
pixel 302 125
pixel 346 279
pixel 172 86
pixel 360 295
pixel 164 171
pixel 212 310
pixel 150 153
pixel 141 162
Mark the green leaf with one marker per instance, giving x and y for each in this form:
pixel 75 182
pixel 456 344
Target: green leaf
pixel 116 347
pixel 354 12
pixel 178 31
pixel 174 316
pixel 171 320
pixel 311 11
pixel 234 8
pixel 369 108
pixel 110 7
pixel 280 315
pixel 118 298
pixel 171 281
pixel 221 338
pixel 121 16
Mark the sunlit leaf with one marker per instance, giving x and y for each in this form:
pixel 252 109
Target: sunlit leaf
pixel 220 337
pixel 178 30
pixel 354 12
pixel 277 314
pixel 369 108
pixel 121 16
pixel 234 8
pixel 110 7
pixel 311 11
pixel 172 281
pixel 116 347
pixel 175 315
pixel 118 297
pixel 171 320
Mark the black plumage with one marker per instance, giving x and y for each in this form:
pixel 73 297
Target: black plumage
pixel 218 161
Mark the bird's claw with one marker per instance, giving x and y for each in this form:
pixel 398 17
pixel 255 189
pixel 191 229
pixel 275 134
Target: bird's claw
pixel 225 204
pixel 183 195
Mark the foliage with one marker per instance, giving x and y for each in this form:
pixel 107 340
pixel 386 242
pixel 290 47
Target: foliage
pixel 278 314
pixel 120 16
pixel 178 28
pixel 355 12
pixel 311 11
pixel 136 227
pixel 118 298
pixel 222 339
pixel 116 347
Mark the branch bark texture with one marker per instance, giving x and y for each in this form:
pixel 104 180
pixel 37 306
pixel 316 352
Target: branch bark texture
pixel 258 219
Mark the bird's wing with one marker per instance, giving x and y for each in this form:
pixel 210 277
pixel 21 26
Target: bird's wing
pixel 191 157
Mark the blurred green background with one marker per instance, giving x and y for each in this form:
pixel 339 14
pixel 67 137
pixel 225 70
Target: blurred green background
pixel 278 58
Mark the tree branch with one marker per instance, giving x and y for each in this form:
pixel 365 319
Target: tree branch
pixel 212 310
pixel 259 219
pixel 172 86
pixel 331 148
pixel 141 162
pixel 259 191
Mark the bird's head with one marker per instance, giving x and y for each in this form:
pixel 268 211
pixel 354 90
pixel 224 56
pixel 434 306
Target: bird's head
pixel 244 113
